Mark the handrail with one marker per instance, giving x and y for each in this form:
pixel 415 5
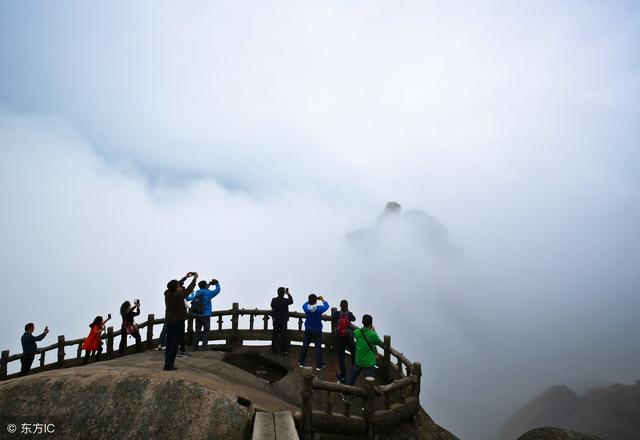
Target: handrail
pixel 401 376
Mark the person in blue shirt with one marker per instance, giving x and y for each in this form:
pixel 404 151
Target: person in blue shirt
pixel 313 329
pixel 202 298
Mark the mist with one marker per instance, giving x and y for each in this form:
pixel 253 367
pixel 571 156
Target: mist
pixel 260 146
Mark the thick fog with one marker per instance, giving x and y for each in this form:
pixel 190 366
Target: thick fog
pixel 259 144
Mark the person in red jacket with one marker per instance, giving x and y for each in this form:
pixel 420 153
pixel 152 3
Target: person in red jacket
pixel 93 343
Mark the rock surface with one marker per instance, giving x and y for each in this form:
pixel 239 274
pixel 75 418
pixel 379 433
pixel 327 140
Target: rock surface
pixel 556 434
pixel 132 397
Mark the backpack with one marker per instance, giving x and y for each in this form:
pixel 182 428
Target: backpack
pixel 197 305
pixel 344 325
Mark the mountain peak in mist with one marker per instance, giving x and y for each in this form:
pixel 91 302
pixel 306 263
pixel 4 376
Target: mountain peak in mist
pixel 415 228
pixel 392 208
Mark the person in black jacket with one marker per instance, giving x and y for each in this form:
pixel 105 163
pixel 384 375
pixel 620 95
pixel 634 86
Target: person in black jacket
pixel 280 315
pixel 342 320
pixel 175 314
pixel 29 347
pixel 128 326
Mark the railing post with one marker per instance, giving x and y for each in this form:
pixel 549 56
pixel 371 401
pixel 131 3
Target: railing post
pixel 4 360
pixel 109 342
pixel 386 372
pixel 235 340
pixel 334 328
pixel 150 320
pixel 61 351
pixel 370 406
pixel 417 371
pixel 307 403
pixel 42 358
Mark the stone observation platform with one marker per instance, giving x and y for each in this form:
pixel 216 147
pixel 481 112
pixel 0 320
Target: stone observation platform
pixel 261 395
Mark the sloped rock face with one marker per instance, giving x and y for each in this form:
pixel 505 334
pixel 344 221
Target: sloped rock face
pixel 132 398
pixel 118 406
pixel 556 434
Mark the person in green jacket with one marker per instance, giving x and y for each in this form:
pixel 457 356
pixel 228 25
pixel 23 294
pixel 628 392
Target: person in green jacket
pixel 366 340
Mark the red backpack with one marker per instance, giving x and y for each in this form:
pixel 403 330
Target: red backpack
pixel 344 325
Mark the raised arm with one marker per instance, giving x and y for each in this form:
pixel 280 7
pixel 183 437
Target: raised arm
pixel 216 289
pixel 41 336
pixel 191 286
pixel 324 307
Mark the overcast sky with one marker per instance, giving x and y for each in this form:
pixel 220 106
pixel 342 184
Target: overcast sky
pixel 245 141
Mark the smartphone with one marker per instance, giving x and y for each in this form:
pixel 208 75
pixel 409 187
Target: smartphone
pixel 136 301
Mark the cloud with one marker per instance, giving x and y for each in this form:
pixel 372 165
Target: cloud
pixel 248 142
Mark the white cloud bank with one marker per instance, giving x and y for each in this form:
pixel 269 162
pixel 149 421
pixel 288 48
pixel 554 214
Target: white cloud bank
pixel 247 142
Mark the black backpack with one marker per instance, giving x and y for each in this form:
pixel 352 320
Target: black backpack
pixel 197 305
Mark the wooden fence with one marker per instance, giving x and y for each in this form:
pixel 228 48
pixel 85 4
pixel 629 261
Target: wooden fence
pixel 386 405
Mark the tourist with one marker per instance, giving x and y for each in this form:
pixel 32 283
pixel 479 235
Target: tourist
pixel 93 343
pixel 175 314
pixel 280 315
pixel 201 308
pixel 29 347
pixel 366 340
pixel 129 327
pixel 313 329
pixel 342 320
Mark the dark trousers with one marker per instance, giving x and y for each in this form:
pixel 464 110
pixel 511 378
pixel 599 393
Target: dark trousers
pixel 123 341
pixel 280 338
pixel 162 341
pixel 181 336
pixel 88 353
pixel 316 338
pixel 343 343
pixel 173 340
pixel 357 369
pixel 203 325
pixel 26 360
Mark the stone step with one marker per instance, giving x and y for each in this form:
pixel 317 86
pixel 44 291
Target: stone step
pixel 285 426
pixel 278 426
pixel 263 427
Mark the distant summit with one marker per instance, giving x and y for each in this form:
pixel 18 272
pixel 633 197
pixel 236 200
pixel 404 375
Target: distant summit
pixel 394 225
pixel 612 412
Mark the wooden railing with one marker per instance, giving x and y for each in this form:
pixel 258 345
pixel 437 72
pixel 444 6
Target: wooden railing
pixel 379 407
pixel 386 405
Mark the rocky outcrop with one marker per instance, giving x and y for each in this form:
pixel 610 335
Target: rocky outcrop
pixel 132 397
pixel 556 434
pixel 612 412
pixel 208 397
